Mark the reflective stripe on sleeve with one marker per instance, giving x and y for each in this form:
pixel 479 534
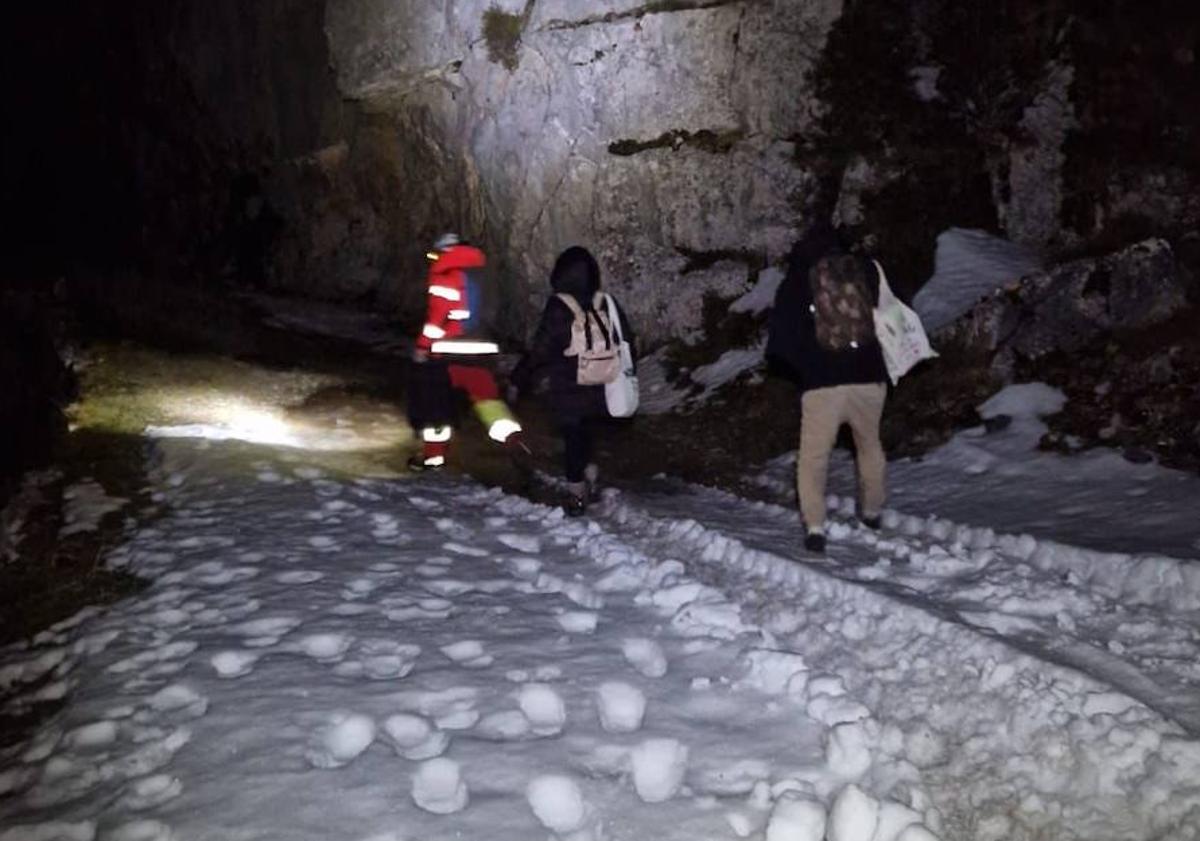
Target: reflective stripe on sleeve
pixel 432 331
pixel 459 315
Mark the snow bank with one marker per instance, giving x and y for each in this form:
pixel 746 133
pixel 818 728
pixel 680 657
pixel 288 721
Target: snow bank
pixel 762 296
pixel 969 265
pixel 1023 400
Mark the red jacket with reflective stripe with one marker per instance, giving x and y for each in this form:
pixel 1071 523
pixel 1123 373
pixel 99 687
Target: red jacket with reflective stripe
pixel 447 294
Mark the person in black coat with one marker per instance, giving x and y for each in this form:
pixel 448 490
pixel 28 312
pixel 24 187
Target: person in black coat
pixel 829 349
pixel 575 408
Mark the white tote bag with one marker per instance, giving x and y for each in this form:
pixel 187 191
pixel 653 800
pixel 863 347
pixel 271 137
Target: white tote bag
pixel 899 331
pixel 621 394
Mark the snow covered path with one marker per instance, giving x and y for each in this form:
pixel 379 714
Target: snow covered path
pixel 1133 624
pixel 325 658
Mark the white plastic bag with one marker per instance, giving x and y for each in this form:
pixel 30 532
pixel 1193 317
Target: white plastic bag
pixel 621 394
pixel 899 332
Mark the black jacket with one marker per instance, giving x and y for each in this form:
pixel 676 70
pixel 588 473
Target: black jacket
pixel 576 274
pixel 792 340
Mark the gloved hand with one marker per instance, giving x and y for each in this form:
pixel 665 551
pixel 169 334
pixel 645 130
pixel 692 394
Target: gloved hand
pixel 420 355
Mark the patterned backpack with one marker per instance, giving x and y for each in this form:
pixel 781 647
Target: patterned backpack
pixel 842 308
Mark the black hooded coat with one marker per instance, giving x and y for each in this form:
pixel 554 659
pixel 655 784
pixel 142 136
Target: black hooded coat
pixel 792 337
pixel 577 274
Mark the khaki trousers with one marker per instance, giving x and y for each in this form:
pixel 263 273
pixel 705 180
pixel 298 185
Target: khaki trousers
pixel 822 412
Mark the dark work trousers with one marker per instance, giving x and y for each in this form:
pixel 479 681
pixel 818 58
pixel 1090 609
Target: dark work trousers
pixel 578 439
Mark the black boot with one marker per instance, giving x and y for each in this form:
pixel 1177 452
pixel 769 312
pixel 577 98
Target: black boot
pixel 575 503
pixel 417 464
pixel 814 541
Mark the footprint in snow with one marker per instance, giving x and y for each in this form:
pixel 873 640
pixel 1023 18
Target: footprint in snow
pixel 430 570
pixel 326 488
pixel 91 737
pixel 149 792
pixel 645 655
pixel 423 504
pixel 340 740
pixel 50 831
pixel 299 576
pixel 504 726
pixel 404 614
pixel 260 633
pixel 468 653
pixel 142 830
pixel 463 549
pixel 451 709
pixel 145 660
pixel 621 707
pixel 380 659
pixel 578 621
pixel 544 708
pixel 527 543
pixel 438 787
pixel 359 588
pixel 448 586
pixel 179 701
pixel 659 766
pixel 325 646
pixel 526 569
pixel 351 609
pixel 414 737
pixel 558 804
pixel 217 574
pixel 231 664
pixel 149 756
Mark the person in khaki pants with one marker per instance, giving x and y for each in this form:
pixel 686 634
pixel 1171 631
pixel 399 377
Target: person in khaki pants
pixel 822 335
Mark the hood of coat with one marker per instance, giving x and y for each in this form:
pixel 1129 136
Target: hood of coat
pixel 577 274
pixel 818 241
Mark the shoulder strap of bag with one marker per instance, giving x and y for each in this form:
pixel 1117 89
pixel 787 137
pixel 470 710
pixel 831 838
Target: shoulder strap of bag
pixel 582 317
pixel 571 303
pixel 614 317
pixel 886 296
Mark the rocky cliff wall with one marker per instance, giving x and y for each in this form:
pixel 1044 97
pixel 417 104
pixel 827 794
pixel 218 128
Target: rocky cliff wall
pixel 316 146
pixel 687 142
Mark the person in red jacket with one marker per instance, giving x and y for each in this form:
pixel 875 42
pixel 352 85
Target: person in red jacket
pixel 449 351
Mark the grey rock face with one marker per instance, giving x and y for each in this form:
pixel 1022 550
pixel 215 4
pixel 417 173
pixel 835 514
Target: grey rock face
pixel 1071 305
pixel 643 133
pixel 1032 213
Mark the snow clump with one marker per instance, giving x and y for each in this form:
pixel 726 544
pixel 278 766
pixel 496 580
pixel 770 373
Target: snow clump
pixel 658 769
pixel 558 803
pixel 621 707
pixel 796 818
pixel 438 787
pixel 341 740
